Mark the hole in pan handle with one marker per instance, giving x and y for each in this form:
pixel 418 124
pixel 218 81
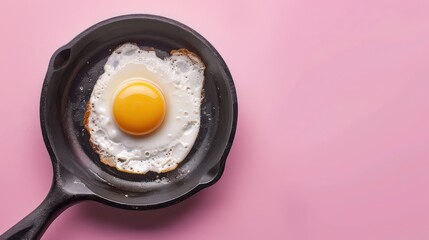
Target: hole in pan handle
pixel 60 197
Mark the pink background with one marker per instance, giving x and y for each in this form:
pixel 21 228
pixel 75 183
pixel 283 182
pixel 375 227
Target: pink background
pixel 333 133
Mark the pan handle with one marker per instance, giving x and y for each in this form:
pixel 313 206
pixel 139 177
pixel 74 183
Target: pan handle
pixel 35 224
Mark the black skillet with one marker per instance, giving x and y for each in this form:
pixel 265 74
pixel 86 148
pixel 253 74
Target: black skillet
pixel 78 174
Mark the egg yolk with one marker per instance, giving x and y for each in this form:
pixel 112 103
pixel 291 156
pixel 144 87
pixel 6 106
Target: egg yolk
pixel 139 108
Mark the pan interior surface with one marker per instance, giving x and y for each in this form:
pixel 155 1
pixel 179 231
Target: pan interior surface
pixel 71 79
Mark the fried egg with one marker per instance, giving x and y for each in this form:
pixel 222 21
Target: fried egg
pixel 144 112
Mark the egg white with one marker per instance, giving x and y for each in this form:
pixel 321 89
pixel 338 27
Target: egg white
pixel 180 78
